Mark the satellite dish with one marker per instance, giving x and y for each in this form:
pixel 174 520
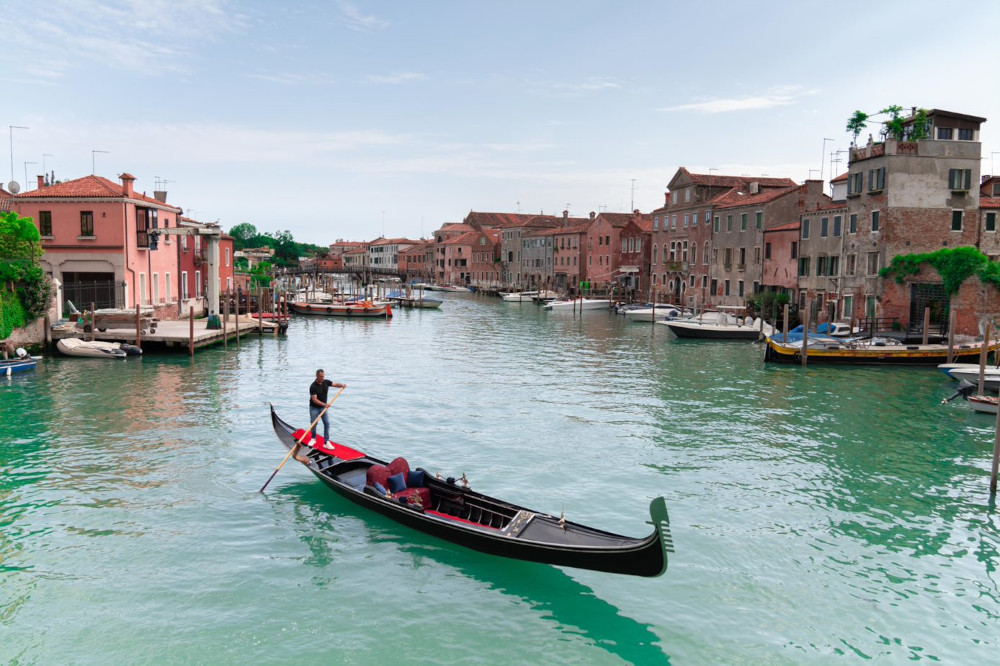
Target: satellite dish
pixel 13 187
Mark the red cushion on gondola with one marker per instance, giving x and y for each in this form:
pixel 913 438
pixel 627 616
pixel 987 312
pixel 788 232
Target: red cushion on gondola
pixel 329 448
pixel 400 466
pixel 377 474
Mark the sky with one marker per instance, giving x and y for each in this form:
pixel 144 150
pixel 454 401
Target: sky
pixel 351 120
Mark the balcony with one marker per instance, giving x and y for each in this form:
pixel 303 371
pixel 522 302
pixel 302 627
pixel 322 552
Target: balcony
pixel 675 266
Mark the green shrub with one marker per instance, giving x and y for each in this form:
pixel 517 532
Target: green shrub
pixel 11 313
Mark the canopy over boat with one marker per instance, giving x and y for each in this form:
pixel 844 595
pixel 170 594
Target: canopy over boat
pixel 455 513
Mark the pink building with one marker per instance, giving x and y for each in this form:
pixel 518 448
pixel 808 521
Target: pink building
pixel 604 248
pixel 636 246
pixel 98 242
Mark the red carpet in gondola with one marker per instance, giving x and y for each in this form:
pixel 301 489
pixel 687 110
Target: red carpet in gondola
pixel 329 448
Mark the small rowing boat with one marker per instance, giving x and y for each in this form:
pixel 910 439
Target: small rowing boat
pixel 455 513
pixel 356 309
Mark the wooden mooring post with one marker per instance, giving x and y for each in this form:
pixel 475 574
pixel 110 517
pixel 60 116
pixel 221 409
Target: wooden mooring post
pixel 237 315
pixel 191 332
pixel 784 325
pixel 927 325
pixel 260 312
pixel 225 324
pixel 951 335
pixel 805 336
pixel 138 327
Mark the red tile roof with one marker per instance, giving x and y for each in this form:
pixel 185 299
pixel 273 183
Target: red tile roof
pixel 737 197
pixel 734 181
pixel 90 187
pixel 841 178
pixel 989 202
pixel 496 220
pixel 790 226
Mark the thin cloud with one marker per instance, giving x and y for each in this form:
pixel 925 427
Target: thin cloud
pixel 292 79
pixel 588 86
pixel 780 96
pixel 396 79
pixel 355 20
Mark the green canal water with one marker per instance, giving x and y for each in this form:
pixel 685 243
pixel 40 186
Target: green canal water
pixel 819 516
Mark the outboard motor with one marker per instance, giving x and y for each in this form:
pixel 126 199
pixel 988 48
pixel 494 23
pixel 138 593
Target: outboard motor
pixel 965 389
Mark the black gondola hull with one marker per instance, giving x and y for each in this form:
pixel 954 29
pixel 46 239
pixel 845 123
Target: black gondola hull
pixel 551 542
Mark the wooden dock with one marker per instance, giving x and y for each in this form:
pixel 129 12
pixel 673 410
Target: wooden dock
pixel 174 335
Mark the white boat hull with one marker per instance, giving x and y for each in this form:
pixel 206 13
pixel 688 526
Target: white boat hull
pixel 579 304
pixel 991 379
pixel 984 404
pixel 90 349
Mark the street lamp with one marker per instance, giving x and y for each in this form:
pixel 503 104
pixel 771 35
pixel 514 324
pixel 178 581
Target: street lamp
pixel 26 174
pixel 12 128
pixel 93 168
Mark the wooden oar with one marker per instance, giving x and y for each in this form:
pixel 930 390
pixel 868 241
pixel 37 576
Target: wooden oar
pixel 302 438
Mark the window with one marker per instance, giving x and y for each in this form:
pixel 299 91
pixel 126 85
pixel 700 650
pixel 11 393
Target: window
pixel 743 222
pixel 656 223
pixel 872 263
pixel 687 194
pixel 156 288
pixel 638 245
pixel 803 266
pixel 197 284
pixel 694 254
pixel 944 133
pixel 756 255
pixel 743 257
pixel 227 256
pixel 673 197
pixel 185 292
pixel 854 184
pixel 728 257
pixel 739 285
pixel 821 265
pixel 673 222
pixel 875 221
pixel 708 216
pixel 729 222
pixel 715 286
pixel 852 225
pixel 142 289
pixel 959 179
pixel 805 228
pixel 876 179
pixel 824 227
pixel 716 228
pixel 656 253
pixel 86 223
pixel 45 222
pixel 833 266
pixel 836 226
pixel 767 250
pixel 956 220
pixel 991 221
pixel 965 135
pixel 795 249
pixel 760 219
pixel 686 218
pixel 727 287
pixel 704 254
pixel 851 263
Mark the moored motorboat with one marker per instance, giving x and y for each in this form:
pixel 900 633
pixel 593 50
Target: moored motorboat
pixel 518 296
pixel 713 325
pixel 9 366
pixel 455 513
pixel 414 300
pixel 871 351
pixel 356 309
pixel 991 376
pixel 660 311
pixel 90 348
pixel 578 304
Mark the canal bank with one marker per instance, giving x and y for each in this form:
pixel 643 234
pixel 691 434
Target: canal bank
pixel 816 513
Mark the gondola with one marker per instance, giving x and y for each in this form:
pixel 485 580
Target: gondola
pixel 452 511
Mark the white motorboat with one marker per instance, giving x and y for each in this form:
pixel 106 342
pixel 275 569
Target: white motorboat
pixel 90 348
pixel 713 325
pixel 947 368
pixel 578 304
pixel 984 404
pixel 518 296
pixel 991 378
pixel 659 312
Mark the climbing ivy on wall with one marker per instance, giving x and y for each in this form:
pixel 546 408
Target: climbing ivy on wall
pixel 954 265
pixel 11 313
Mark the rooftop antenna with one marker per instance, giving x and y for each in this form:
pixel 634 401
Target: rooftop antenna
pixel 822 158
pixel 632 202
pixel 518 206
pixel 13 183
pixel 93 167
pixel 160 183
pixel 44 155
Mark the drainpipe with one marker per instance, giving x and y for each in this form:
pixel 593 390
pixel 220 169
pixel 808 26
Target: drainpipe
pixel 129 268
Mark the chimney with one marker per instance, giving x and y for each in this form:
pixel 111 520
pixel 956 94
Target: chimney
pixel 160 195
pixel 592 215
pixel 565 214
pixel 754 187
pixel 127 184
pixel 41 182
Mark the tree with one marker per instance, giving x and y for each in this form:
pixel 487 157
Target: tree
pixel 242 235
pixel 20 250
pixel 857 123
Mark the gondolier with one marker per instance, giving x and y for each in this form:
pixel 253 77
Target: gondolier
pixel 318 402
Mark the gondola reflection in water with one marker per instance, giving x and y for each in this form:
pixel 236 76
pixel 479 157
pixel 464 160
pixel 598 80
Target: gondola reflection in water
pixel 455 513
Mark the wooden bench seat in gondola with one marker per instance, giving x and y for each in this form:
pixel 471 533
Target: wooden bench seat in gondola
pixel 381 474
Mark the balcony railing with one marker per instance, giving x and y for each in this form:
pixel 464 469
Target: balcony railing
pixel 675 266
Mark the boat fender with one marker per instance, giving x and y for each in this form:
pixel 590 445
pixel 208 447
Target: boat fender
pixel 913 347
pixel 450 480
